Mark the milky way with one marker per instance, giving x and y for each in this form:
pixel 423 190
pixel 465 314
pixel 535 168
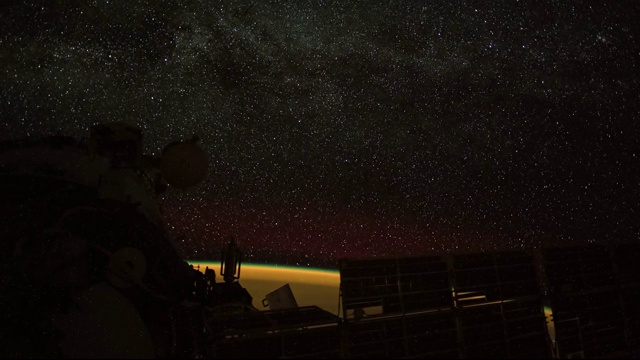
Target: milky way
pixel 342 128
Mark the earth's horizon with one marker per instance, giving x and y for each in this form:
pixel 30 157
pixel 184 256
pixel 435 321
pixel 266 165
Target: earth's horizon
pixel 310 286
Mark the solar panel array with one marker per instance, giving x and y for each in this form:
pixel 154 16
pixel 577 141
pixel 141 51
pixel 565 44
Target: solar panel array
pixel 482 305
pixel 397 308
pixel 443 307
pixel 500 313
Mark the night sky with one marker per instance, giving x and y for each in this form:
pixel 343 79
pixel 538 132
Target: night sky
pixel 353 128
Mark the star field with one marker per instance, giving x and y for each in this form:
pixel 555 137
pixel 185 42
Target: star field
pixel 346 128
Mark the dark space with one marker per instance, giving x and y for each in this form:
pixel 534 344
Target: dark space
pixel 356 128
pixel 347 128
